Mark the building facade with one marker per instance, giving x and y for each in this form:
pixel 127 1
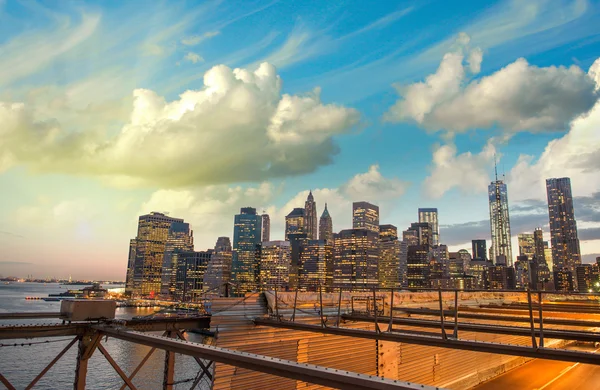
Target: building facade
pixel 501 251
pixel 146 254
pixel 191 269
pixel 247 234
pixel 310 215
pixel 563 227
pixel 326 227
pixel 266 228
pixel 356 254
pixel 479 250
pixel 389 260
pixel 295 223
pixel 218 271
pixel 365 216
pixel 315 268
pixel 526 245
pixel 274 265
pixel 430 215
pixel 180 239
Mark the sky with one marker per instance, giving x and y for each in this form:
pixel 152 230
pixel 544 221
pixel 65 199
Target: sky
pixel 110 110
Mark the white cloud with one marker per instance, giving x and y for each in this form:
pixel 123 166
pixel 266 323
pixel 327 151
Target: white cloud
pixel 239 127
pixel 518 97
pixel 574 155
pixel 196 39
pixel 468 172
pixel 211 209
pixel 192 57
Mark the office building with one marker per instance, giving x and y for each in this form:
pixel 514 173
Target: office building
pixel 389 260
pixel 274 265
pixel 146 254
pixel 501 252
pixel 479 271
pixel 479 250
pixel 247 234
pixel 418 266
pixel 538 243
pixel 295 223
pixel 218 271
pixel 326 227
pixel 563 228
pixel 526 245
pixel 356 254
pixel 180 239
pixel 315 268
pixel 588 278
pixel 191 268
pixel 365 216
pixel 501 277
pixel 548 255
pixel 563 279
pixel 266 228
pixel 310 215
pixel 430 215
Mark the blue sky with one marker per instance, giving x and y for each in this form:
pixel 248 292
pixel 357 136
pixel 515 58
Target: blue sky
pixel 113 109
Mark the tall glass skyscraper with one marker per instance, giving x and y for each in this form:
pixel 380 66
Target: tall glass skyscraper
pixel 365 216
pixel 356 255
pixel 247 233
pixel 431 215
pixel 563 228
pixel 501 250
pixel 147 251
pixel 310 215
pixel 218 271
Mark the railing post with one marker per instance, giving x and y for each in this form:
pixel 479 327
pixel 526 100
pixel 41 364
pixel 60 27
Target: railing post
pixel 531 324
pixel 456 313
pixel 321 306
pixel 294 311
pixel 82 362
pixel 443 326
pixel 276 306
pixel 375 311
pixel 339 316
pixel 169 372
pixel 541 319
pixel 391 312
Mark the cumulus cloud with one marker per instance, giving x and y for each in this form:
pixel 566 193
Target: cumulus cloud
pixel 239 127
pixel 193 40
pixel 574 155
pixel 518 97
pixel 466 171
pixel 211 209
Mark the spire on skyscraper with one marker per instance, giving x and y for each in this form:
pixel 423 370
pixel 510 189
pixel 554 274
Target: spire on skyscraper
pixel 310 212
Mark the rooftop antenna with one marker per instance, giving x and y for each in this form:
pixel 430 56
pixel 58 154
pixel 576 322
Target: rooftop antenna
pixel 495 167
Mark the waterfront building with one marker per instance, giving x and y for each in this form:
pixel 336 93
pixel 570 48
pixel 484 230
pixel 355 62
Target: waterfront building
pixel 180 239
pixel 326 227
pixel 295 223
pixel 146 254
pixel 218 271
pixel 191 268
pixel 501 252
pixel 266 228
pixel 563 227
pixel 315 268
pixel 310 215
pixel 274 265
pixel 479 250
pixel 388 266
pixel 365 216
pixel 430 215
pixel 356 254
pixel 247 234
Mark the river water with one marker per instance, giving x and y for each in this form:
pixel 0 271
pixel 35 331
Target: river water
pixel 20 364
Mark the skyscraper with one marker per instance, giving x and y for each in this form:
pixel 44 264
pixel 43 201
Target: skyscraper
pixel 501 251
pixel 218 271
pixel 563 228
pixel 389 259
pixel 365 216
pixel 146 254
pixel 274 265
pixel 356 254
pixel 266 228
pixel 431 215
pixel 538 241
pixel 180 239
pixel 191 269
pixel 326 227
pixel 310 215
pixel 295 223
pixel 315 267
pixel 526 245
pixel 423 232
pixel 247 233
pixel 479 250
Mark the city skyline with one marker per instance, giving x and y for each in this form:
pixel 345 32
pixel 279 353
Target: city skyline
pixel 218 106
